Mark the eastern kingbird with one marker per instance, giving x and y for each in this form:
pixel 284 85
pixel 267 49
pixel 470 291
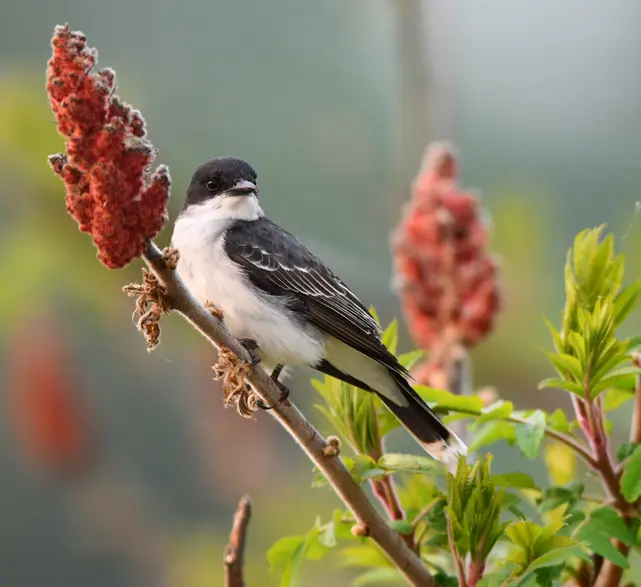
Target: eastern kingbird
pixel 283 303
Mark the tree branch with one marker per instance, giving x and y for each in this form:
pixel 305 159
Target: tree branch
pixel 233 559
pixel 214 330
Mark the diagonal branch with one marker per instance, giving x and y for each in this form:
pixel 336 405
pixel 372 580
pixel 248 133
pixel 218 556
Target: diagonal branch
pixel 214 330
pixel 233 559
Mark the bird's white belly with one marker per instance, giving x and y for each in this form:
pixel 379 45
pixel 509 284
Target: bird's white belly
pixel 212 276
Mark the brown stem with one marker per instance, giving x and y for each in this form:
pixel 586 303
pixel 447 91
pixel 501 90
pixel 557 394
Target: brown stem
pixel 385 491
pixel 235 550
pixel 333 468
pixel 591 417
pixel 475 573
pixel 610 574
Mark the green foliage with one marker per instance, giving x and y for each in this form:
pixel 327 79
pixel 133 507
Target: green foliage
pixel 588 356
pixel 474 509
pixel 506 529
pixel 631 479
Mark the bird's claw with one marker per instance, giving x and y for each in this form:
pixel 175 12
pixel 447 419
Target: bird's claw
pixel 251 346
pixel 284 394
pixel 284 390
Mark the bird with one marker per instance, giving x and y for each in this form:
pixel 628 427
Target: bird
pixel 284 304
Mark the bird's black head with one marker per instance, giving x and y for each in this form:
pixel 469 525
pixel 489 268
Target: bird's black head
pixel 221 176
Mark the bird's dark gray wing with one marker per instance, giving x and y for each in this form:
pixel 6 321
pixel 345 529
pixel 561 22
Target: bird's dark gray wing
pixel 279 264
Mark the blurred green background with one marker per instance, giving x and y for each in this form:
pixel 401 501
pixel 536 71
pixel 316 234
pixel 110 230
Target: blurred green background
pixel 333 103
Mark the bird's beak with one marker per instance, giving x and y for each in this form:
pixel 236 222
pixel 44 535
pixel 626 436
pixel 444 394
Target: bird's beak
pixel 243 188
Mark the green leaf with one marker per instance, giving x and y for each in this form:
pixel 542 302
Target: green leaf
pixel 328 536
pixel 518 480
pixel 612 524
pixel 553 497
pixel 285 559
pixel 499 578
pixel 408 360
pixel 631 479
pixel 529 435
pixel 383 575
pixel 570 386
pixel 557 555
pixel 446 400
pixel 566 365
pixel 625 450
pixel 402 527
pixel 493 432
pixel 524 534
pixel 500 410
pixel 603 525
pixel 615 398
pixel 625 302
pixel 558 421
pixel 398 462
pixel 390 337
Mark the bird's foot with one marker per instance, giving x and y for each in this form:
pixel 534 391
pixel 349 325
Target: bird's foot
pixel 284 390
pixel 251 346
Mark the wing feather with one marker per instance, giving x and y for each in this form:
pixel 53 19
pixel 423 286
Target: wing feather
pixel 279 264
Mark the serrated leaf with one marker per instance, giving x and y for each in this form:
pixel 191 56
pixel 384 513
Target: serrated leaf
pixel 601 544
pixel 402 527
pixel 517 479
pixel 631 479
pixel 529 435
pixel 612 524
pixel 603 525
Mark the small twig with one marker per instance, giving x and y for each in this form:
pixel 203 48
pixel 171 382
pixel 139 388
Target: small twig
pixel 334 470
pixel 233 558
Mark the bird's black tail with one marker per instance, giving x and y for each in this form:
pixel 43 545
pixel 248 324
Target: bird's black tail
pixel 418 418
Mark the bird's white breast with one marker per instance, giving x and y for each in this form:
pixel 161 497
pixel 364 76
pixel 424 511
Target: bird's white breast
pixel 212 276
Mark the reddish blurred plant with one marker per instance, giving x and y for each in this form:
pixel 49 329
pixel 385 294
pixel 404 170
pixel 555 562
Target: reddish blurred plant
pixel 50 419
pixel 448 282
pixel 110 191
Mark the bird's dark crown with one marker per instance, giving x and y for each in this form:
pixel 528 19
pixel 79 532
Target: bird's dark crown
pixel 217 177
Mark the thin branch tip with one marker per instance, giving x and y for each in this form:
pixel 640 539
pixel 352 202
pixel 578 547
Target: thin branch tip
pixel 233 559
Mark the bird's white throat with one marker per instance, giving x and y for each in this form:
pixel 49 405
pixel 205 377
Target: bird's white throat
pixel 226 207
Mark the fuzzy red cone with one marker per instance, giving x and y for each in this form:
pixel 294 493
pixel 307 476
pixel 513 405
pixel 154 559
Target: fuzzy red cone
pixel 447 281
pixel 111 192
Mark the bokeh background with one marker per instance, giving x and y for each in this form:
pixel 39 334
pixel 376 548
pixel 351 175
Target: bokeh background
pixel 136 467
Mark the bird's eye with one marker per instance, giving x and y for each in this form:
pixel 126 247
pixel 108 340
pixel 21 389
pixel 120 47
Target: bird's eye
pixel 211 186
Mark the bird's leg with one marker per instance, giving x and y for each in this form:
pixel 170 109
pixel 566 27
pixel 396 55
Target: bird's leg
pixel 284 390
pixel 250 346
